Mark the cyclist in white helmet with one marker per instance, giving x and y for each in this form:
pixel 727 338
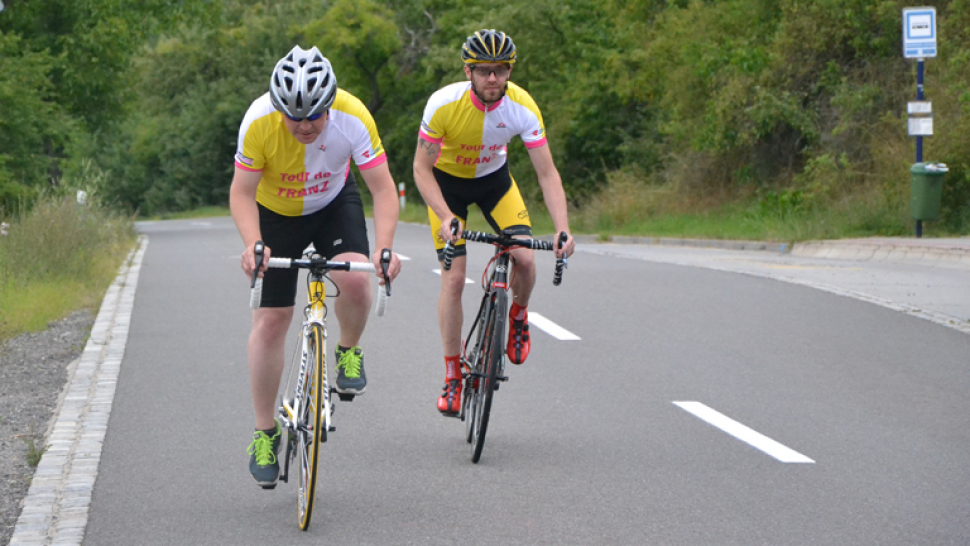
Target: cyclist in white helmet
pixel 293 186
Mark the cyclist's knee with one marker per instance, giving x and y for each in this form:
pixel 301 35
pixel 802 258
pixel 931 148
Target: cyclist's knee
pixel 354 286
pixel 271 321
pixel 525 259
pixel 453 282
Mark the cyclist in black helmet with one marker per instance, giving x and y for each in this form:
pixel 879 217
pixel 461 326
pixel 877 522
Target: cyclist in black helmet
pixel 293 186
pixel 460 160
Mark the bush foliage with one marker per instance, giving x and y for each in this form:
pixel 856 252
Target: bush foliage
pixel 796 105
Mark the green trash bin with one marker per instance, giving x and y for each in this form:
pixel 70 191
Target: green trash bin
pixel 926 190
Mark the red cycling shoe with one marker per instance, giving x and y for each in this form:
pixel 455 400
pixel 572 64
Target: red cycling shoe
pixel 518 345
pixel 449 402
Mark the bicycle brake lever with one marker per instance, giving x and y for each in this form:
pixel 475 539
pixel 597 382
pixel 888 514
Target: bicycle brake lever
pixel 561 263
pixel 385 264
pixel 258 252
pixel 449 251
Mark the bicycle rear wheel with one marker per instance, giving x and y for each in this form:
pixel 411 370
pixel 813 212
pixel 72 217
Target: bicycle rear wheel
pixel 491 361
pixel 310 422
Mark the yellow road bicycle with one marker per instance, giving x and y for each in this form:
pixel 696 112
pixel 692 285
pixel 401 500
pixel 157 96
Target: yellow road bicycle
pixel 306 407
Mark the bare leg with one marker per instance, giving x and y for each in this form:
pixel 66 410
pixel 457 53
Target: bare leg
pixel 449 306
pixel 524 279
pixel 266 360
pixel 353 304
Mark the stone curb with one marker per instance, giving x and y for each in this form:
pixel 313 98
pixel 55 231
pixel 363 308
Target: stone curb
pixel 581 239
pixel 933 255
pixel 55 510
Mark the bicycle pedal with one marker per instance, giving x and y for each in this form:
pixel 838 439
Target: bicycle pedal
pixel 346 397
pixel 269 486
pixel 331 429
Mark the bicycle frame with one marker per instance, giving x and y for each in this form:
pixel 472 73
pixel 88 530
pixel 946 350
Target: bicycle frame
pixel 314 313
pixel 497 280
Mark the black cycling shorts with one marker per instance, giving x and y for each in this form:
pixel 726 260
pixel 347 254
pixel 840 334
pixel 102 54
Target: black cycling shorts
pixel 335 229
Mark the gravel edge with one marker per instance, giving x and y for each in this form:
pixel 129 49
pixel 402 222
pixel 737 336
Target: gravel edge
pixel 34 369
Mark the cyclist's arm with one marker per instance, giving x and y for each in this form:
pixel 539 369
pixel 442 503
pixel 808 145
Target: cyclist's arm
pixel 424 158
pixel 386 213
pixel 242 204
pixel 552 192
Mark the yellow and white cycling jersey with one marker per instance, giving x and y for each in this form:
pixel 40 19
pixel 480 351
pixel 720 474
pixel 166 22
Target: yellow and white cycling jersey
pixel 474 138
pixel 300 179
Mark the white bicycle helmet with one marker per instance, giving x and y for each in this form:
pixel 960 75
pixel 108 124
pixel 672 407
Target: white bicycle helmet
pixel 303 83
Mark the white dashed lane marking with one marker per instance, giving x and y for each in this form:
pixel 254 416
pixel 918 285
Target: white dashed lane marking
pixel 550 327
pixel 743 433
pixel 467 280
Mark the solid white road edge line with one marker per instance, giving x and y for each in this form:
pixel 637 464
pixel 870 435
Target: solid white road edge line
pixel 743 433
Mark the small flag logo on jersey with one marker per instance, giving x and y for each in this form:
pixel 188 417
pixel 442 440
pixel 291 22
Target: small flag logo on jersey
pixel 500 126
pixel 323 148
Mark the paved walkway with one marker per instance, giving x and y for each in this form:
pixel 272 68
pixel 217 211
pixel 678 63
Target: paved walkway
pixel 925 277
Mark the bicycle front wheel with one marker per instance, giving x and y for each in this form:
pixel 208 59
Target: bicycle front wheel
pixel 310 421
pixel 491 361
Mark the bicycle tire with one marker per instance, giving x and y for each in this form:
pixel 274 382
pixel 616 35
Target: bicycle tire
pixel 470 398
pixel 492 361
pixel 309 423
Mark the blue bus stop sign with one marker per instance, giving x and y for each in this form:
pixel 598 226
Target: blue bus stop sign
pixel 919 33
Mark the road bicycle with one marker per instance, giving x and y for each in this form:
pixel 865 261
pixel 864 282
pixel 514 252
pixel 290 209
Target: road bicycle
pixel 306 407
pixel 483 360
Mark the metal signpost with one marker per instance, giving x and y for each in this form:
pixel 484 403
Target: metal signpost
pixel 919 42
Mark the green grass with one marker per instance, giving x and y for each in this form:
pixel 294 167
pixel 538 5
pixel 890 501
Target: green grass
pixel 57 258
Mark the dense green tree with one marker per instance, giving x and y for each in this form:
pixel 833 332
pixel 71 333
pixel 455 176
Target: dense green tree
pixel 739 98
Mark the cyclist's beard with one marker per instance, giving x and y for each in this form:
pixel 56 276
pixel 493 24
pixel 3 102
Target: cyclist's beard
pixel 481 95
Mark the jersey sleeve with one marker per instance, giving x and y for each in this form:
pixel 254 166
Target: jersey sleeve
pixel 432 121
pixel 534 130
pixel 366 147
pixel 249 146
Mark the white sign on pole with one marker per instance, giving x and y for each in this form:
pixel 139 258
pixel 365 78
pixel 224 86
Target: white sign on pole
pixel 919 33
pixel 920 126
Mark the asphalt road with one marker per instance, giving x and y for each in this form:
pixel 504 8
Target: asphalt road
pixel 590 442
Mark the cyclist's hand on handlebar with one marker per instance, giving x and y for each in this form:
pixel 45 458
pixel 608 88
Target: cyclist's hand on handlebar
pixel 392 271
pixel 568 248
pixel 248 261
pixel 445 231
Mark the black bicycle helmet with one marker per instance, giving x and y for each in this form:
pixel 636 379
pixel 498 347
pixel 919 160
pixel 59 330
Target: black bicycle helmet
pixel 488 46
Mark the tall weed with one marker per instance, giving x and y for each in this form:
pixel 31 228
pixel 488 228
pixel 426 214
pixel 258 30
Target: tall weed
pixel 57 257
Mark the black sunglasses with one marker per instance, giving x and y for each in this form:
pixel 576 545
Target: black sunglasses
pixel 311 117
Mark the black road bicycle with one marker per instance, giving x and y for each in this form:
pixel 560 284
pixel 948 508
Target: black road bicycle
pixel 483 350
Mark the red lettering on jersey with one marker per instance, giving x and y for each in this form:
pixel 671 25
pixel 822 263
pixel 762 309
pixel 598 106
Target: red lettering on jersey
pixel 291 193
pixel 367 154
